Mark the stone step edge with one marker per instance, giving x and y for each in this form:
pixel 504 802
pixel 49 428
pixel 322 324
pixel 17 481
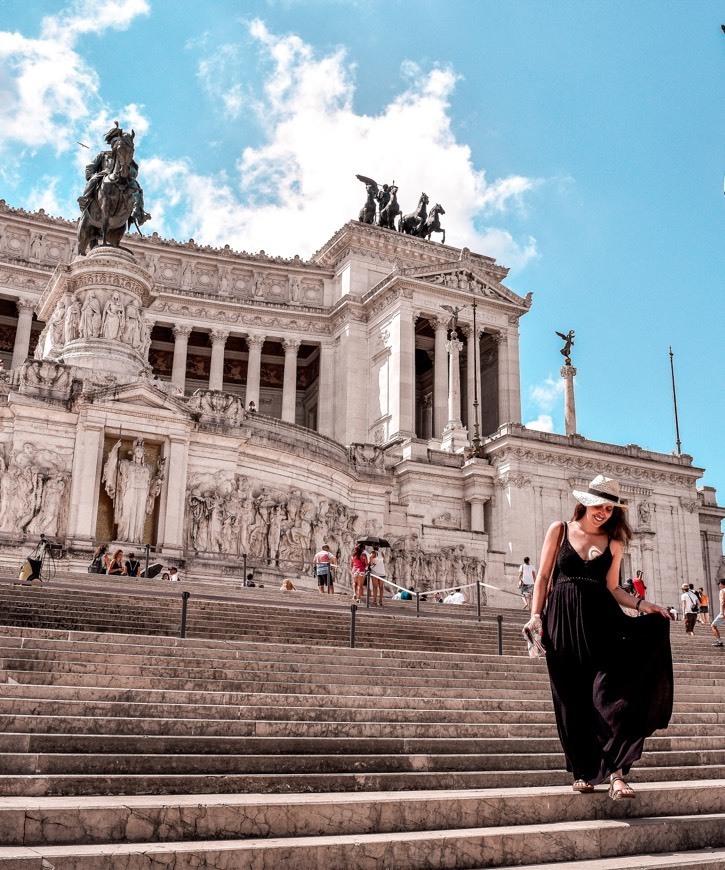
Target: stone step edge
pixel 689 860
pixel 413 797
pixel 27 820
pixel 124 640
pixel 366 850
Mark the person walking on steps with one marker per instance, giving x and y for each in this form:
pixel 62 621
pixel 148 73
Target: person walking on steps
pixel 605 708
pixel 527 577
pixel 720 618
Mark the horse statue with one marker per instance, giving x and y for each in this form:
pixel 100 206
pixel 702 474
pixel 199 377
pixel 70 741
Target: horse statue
pixel 113 198
pixel 390 210
pixel 432 223
pixel 412 223
pixel 367 212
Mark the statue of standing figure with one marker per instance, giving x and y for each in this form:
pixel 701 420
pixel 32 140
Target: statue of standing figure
pixel 566 350
pixel 134 485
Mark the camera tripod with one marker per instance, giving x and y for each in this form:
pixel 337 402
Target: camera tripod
pixel 40 563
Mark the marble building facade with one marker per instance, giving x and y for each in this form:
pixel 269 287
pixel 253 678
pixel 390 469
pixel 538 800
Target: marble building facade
pixel 124 405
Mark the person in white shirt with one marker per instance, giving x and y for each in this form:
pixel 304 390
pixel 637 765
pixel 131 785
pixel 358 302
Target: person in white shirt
pixel 690 609
pixel 456 597
pixel 174 574
pixel 527 576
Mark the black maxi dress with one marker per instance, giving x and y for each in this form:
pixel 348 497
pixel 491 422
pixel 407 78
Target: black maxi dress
pixel 611 674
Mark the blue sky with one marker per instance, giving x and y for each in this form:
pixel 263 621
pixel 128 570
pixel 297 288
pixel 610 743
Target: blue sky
pixel 579 143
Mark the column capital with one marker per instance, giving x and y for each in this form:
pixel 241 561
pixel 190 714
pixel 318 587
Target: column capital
pixel 291 345
pixel 441 323
pixel 181 330
pixel 219 336
pixel 467 329
pixel 499 337
pixel 567 371
pixel 25 305
pixel 255 340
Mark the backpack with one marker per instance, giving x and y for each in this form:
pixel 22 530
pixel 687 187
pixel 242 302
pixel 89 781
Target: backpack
pixel 694 605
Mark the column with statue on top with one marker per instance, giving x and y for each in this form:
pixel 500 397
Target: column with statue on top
pixel 568 372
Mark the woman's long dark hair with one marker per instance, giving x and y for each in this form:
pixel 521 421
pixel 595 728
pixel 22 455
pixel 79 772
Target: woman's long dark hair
pixel 358 551
pixel 616 526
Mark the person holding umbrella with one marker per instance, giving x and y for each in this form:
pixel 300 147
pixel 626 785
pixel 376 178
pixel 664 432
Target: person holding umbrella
pixel 376 566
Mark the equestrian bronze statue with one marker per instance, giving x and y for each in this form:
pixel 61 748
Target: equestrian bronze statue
pixel 113 199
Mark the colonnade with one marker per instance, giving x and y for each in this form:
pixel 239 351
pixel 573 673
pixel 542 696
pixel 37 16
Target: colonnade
pixel 509 401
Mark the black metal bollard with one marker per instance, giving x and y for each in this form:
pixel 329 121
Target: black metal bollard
pixel 353 612
pixel 244 569
pixel 478 599
pixel 417 604
pixel 368 583
pixel 148 551
pixel 499 619
pixel 184 598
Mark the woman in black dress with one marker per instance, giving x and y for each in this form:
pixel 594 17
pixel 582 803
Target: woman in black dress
pixel 611 674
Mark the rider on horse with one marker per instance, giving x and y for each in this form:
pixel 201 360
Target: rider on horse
pixel 102 166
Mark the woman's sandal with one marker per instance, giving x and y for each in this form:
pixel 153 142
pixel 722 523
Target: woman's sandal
pixel 582 786
pixel 623 793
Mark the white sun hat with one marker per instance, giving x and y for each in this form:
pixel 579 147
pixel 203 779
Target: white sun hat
pixel 602 490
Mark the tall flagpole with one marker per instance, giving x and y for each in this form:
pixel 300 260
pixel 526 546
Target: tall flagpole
pixel 674 399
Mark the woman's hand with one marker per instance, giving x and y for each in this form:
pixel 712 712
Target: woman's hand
pixel 534 626
pixel 651 607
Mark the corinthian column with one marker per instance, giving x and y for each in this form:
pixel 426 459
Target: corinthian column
pixel 473 379
pixel 440 379
pixel 22 333
pixel 289 387
pixel 254 367
pixel 181 344
pixel 504 415
pixel 216 375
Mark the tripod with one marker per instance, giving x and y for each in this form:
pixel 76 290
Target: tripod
pixel 40 564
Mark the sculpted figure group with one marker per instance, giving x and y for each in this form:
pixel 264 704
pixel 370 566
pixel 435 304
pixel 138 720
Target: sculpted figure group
pixel 227 515
pixel 382 200
pixel 87 317
pixel 33 484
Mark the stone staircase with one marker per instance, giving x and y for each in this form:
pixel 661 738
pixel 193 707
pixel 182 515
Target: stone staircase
pixel 419 749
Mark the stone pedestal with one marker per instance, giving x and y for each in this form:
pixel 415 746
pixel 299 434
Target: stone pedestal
pixel 94 309
pixel 568 372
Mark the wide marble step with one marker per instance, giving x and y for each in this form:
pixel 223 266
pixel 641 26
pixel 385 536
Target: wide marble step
pixel 349 729
pixel 177 817
pixel 25 762
pixel 476 847
pixel 310 783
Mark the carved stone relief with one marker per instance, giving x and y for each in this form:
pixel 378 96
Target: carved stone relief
pixel 33 485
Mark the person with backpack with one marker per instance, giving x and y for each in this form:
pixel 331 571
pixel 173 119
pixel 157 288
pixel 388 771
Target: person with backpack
pixel 690 608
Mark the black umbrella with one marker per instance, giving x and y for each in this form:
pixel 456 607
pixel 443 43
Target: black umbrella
pixel 374 542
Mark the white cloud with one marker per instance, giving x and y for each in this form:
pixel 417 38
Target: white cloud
pixel 543 423
pixel 546 394
pixel 299 185
pixel 47 88
pixel 45 195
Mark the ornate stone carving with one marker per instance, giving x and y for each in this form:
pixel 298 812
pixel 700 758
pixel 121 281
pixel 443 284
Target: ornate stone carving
pixel 519 481
pixel 216 406
pixel 367 456
pixel 32 487
pixel 45 378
